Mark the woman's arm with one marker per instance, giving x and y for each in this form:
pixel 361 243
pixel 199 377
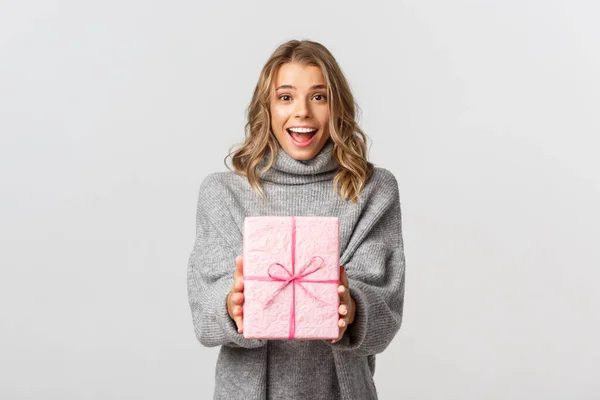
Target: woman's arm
pixel 375 270
pixel 211 267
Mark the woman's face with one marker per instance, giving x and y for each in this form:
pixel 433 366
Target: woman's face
pixel 300 101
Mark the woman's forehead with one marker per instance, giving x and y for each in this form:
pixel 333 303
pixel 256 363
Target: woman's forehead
pixel 297 76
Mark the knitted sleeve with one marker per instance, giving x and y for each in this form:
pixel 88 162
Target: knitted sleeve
pixel 375 264
pixel 211 267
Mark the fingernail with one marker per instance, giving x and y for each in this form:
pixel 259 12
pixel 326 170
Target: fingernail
pixel 342 289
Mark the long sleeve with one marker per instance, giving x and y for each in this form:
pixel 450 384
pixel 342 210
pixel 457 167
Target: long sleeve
pixel 375 266
pixel 211 267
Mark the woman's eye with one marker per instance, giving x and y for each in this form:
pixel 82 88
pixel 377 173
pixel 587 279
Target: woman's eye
pixel 286 96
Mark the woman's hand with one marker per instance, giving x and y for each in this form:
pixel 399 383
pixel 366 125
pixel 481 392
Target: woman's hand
pixel 235 298
pixel 347 307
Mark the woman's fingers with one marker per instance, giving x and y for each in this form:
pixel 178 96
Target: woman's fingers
pixel 344 292
pixel 343 310
pixel 343 276
pixel 236 297
pixel 238 321
pixel 346 308
pixel 239 265
pixel 238 275
pixel 342 325
pixel 237 310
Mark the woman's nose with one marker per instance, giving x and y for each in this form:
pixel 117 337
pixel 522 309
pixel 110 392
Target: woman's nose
pixel 301 109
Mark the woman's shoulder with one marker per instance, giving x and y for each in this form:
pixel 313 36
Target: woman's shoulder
pixel 212 187
pixel 213 180
pixel 384 175
pixel 220 180
pixel 217 186
pixel 383 181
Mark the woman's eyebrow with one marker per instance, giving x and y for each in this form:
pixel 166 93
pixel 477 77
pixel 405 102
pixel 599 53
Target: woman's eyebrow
pixel 292 87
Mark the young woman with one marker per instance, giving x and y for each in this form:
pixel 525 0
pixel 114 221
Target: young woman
pixel 303 155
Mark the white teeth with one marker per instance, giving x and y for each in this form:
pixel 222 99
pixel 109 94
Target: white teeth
pixel 302 130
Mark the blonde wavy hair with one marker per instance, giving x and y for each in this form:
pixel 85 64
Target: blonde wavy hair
pixel 349 141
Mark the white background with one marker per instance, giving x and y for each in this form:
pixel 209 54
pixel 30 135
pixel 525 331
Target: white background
pixel 112 113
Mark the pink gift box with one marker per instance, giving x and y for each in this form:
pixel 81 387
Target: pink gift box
pixel 291 275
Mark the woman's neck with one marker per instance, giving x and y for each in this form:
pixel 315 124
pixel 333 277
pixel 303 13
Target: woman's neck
pixel 288 171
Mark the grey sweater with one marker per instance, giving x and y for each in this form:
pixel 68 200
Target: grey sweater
pixel 371 249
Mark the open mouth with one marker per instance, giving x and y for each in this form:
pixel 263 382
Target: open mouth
pixel 302 137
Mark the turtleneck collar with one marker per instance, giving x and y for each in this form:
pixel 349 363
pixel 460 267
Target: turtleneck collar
pixel 289 171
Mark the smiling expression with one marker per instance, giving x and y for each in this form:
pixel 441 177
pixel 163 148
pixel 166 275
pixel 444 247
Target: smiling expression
pixel 300 102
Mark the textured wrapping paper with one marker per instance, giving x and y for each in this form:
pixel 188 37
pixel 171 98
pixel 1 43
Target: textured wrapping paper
pixel 291 274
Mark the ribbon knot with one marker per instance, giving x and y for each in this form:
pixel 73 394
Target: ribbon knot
pixel 296 278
